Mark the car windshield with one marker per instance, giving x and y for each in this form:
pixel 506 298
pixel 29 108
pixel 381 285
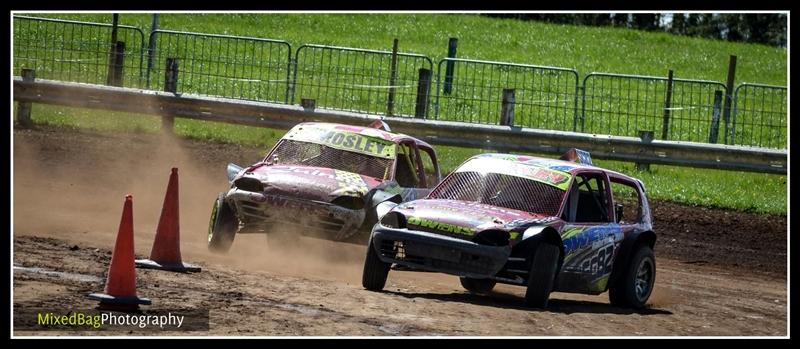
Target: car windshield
pixel 298 153
pixel 501 190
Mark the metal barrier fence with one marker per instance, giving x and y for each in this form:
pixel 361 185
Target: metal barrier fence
pixel 760 116
pixel 221 65
pixel 77 51
pixel 399 84
pixel 370 81
pixel 674 109
pixel 543 97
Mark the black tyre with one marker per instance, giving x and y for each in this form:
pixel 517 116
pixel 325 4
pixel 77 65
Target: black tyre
pixel 222 226
pixel 543 273
pixel 634 287
pixel 375 270
pixel 478 286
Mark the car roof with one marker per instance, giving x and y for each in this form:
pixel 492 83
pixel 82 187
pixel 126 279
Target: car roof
pixel 553 164
pixel 389 136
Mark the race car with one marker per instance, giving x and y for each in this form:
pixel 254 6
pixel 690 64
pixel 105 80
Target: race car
pixel 322 180
pixel 548 225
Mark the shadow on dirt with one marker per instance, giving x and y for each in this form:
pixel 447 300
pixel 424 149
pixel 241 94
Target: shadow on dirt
pixel 502 300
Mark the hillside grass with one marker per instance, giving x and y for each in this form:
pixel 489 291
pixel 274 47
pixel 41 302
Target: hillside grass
pixel 585 49
pixel 742 191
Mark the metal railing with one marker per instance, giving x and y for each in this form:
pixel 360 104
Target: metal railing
pixel 543 97
pixel 401 84
pixel 674 109
pixel 760 116
pixel 222 65
pixel 76 51
pixel 503 138
pixel 361 80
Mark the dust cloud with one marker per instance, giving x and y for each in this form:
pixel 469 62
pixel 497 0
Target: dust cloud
pixel 73 186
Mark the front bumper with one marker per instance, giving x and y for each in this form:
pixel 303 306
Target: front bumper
pixel 259 211
pixel 438 253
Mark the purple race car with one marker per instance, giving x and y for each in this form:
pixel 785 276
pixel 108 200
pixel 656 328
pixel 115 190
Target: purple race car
pixel 549 225
pixel 322 180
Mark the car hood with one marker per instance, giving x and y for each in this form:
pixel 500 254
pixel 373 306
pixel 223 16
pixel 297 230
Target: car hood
pixel 312 183
pixel 464 218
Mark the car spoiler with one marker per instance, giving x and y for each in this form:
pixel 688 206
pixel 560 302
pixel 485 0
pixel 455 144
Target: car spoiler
pixel 379 124
pixel 578 156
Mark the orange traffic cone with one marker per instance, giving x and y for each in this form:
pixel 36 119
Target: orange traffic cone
pixel 166 252
pixel 120 291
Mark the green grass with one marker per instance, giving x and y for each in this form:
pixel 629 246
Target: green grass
pixel 587 49
pixel 543 99
pixel 750 192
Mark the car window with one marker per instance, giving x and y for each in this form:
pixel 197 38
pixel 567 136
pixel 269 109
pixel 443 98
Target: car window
pixel 588 200
pixel 431 173
pixel 626 201
pixel 406 171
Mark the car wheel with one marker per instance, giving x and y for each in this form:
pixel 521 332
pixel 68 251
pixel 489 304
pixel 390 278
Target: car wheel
pixel 634 288
pixel 375 270
pixel 478 286
pixel 542 275
pixel 222 226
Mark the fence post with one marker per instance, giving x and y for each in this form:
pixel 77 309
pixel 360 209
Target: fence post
pixel 112 56
pixel 712 138
pixel 392 80
pixel 308 104
pixel 507 108
pixel 170 85
pixel 24 108
pixel 151 47
pixel 452 46
pixel 667 103
pixel 423 92
pixel 646 137
pixel 726 114
pixel 578 93
pixel 115 77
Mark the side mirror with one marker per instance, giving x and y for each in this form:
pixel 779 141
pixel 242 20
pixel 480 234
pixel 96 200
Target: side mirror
pixel 233 170
pixel 618 209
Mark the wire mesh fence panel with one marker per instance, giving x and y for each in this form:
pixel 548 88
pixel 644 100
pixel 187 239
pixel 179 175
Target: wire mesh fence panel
pixel 75 51
pixel 544 97
pixel 760 116
pixel 359 80
pixel 623 105
pixel 222 66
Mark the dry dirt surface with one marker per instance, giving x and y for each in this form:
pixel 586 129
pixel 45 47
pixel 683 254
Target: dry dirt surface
pixel 719 272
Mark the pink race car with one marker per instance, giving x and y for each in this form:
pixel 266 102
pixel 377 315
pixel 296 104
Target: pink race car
pixel 323 180
pixel 548 225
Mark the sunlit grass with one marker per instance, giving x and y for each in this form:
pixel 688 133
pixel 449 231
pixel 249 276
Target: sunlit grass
pixel 744 191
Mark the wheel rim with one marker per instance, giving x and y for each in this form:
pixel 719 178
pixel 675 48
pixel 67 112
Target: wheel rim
pixel 211 223
pixel 644 277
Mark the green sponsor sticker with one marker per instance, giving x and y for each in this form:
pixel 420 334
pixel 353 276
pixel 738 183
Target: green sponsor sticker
pixel 445 227
pixel 344 140
pixel 558 179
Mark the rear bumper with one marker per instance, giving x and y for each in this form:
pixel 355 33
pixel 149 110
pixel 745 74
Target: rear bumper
pixel 438 253
pixel 314 218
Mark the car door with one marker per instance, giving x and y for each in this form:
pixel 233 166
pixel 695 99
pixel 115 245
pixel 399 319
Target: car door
pixel 591 236
pixel 409 172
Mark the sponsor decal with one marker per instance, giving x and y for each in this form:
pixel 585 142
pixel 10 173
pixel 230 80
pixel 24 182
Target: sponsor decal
pixel 591 250
pixel 344 140
pixel 445 227
pixel 535 221
pixel 485 165
pixel 353 183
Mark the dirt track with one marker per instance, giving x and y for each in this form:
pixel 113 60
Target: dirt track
pixel 68 193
